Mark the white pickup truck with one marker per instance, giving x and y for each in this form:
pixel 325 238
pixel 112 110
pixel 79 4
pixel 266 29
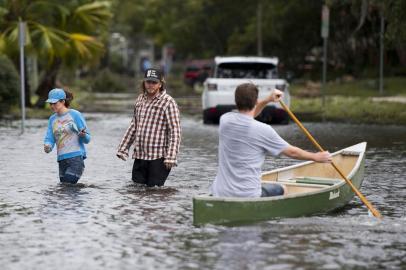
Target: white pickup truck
pixel 229 72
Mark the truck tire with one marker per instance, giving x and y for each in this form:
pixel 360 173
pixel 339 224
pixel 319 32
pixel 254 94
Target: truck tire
pixel 209 118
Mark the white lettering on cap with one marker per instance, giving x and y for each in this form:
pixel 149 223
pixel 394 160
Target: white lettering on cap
pixel 152 73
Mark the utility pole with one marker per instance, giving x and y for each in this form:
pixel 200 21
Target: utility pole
pixel 259 28
pixel 21 41
pixel 381 51
pixel 325 17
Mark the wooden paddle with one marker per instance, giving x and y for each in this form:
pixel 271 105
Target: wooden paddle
pixel 363 199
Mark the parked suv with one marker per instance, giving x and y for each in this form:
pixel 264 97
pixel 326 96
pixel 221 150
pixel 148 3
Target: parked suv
pixel 229 72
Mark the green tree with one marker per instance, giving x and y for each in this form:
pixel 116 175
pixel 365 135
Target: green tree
pixel 205 28
pixel 198 28
pixel 355 33
pixel 9 84
pixel 395 15
pixel 290 28
pixel 59 34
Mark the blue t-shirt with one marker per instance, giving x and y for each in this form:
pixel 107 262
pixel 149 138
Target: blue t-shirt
pixel 243 145
pixel 63 131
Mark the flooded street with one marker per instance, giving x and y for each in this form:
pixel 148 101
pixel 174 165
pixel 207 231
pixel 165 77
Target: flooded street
pixel 107 222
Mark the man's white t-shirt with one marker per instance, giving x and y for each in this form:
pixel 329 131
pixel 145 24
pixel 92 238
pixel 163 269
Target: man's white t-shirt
pixel 243 145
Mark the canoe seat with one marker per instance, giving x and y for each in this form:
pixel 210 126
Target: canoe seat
pixel 314 180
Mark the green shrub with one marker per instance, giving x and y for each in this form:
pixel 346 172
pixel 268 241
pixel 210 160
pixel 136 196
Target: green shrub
pixel 108 82
pixel 9 85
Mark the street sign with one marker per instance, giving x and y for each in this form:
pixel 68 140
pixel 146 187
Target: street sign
pixel 325 18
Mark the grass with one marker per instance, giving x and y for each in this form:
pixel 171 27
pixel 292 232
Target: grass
pixel 395 86
pixel 350 109
pixel 351 102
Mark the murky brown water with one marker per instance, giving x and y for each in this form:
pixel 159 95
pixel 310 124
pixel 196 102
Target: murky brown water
pixel 106 222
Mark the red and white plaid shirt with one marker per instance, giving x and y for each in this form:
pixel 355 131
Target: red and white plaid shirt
pixel 155 129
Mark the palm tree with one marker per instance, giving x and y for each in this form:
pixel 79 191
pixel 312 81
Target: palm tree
pixel 59 35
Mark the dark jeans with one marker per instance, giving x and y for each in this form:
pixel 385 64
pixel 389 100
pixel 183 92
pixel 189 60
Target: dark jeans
pixel 150 172
pixel 271 189
pixel 71 169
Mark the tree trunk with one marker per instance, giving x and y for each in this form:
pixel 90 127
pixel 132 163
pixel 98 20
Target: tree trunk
pixel 27 88
pixel 16 62
pixel 401 51
pixel 48 82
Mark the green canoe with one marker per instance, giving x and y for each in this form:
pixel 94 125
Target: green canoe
pixel 312 188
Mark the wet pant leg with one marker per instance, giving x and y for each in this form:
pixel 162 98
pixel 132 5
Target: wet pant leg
pixel 71 169
pixel 150 172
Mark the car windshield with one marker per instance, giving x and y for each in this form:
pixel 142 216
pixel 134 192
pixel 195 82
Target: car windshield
pixel 247 70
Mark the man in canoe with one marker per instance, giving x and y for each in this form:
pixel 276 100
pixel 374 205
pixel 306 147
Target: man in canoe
pixel 244 143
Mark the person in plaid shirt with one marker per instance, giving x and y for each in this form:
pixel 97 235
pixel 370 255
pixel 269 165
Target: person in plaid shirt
pixel 154 132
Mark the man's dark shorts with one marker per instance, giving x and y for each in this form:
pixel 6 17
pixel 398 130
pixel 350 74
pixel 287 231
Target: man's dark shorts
pixel 271 189
pixel 150 172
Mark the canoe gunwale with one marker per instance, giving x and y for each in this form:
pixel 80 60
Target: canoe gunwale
pixel 359 148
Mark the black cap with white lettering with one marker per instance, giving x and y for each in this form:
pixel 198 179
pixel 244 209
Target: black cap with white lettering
pixel 152 74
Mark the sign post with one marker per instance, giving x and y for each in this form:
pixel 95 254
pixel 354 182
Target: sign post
pixel 325 18
pixel 381 51
pixel 21 42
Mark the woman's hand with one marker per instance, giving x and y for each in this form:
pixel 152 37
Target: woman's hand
pixel 47 148
pixel 82 133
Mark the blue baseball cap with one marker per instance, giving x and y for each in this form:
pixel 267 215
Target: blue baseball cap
pixel 55 95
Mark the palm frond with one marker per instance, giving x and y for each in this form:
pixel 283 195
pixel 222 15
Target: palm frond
pixel 47 11
pixel 54 30
pixel 3 11
pixel 84 50
pixel 2 44
pixel 92 16
pixel 85 47
pixel 49 42
pixel 11 33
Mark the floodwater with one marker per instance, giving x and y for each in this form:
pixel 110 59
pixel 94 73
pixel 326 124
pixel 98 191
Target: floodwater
pixel 106 222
